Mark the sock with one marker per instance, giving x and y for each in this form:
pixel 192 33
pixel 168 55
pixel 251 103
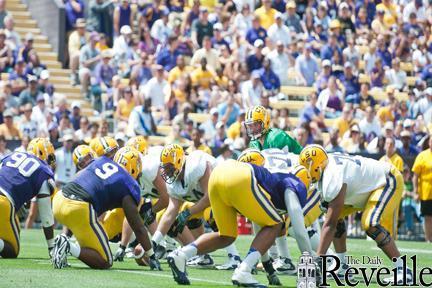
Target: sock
pixel 265 257
pixel 282 246
pixel 232 249
pixel 341 257
pixel 314 240
pixel 1 245
pixel 75 249
pixel 398 263
pixel 273 252
pixel 157 237
pixel 190 250
pixel 251 259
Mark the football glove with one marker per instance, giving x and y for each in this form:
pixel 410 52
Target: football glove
pixel 120 253
pixel 182 219
pixel 147 213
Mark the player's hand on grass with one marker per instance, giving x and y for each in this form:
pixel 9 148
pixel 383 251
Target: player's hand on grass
pixel 120 253
pixel 182 219
pixel 147 213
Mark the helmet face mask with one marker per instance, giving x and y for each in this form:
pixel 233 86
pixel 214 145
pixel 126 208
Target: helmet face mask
pixel 51 161
pixel 85 161
pixel 169 173
pixel 315 159
pixel 172 160
pixel 254 129
pixel 129 158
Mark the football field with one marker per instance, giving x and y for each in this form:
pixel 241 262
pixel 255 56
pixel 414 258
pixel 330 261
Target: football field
pixel 33 269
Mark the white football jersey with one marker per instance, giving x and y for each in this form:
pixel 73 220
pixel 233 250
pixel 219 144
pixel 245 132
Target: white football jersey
pixel 150 168
pixel 277 159
pixel 195 166
pixel 361 175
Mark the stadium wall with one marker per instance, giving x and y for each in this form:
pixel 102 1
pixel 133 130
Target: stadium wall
pixel 50 15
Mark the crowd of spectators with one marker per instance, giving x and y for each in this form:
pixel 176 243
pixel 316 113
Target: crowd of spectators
pixel 145 65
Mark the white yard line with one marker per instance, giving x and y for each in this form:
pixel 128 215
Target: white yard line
pixel 45 262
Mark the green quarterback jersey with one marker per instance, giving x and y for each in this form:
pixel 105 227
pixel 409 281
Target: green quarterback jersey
pixel 277 138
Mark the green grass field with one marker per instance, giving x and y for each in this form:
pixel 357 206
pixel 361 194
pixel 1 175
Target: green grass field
pixel 33 269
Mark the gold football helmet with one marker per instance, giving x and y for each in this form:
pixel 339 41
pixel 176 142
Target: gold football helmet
pixel 43 149
pixel 104 146
pixel 82 156
pixel 257 122
pixel 139 143
pixel 315 159
pixel 130 159
pixel 172 160
pixel 303 175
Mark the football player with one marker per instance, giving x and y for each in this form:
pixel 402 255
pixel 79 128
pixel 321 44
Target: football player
pixel 257 124
pixel 255 193
pixel 353 183
pixel 187 181
pixel 22 177
pixel 103 185
pixel 104 146
pixel 82 156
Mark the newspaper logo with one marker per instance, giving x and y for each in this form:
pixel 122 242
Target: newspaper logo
pixel 306 272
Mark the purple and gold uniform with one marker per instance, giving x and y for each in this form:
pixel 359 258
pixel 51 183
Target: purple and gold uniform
pixel 100 187
pixel 22 175
pixel 254 192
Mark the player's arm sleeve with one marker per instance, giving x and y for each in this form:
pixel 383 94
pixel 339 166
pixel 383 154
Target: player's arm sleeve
pixel 44 205
pixel 284 140
pixel 295 212
pixel 331 185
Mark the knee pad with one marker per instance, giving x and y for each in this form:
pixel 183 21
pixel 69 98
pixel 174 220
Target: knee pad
pixel 340 229
pixel 380 235
pixel 194 223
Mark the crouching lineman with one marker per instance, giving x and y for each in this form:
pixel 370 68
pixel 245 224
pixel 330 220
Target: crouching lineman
pixel 187 180
pixel 354 183
pixel 254 192
pixel 82 156
pixel 103 185
pixel 22 177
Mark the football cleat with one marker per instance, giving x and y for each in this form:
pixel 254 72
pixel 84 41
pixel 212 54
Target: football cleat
pixel 201 261
pixel 400 276
pixel 232 263
pixel 284 265
pixel 245 279
pixel 60 251
pixel 160 251
pixel 177 262
pixel 271 273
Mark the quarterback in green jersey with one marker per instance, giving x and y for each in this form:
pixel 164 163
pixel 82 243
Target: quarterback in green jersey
pixel 263 137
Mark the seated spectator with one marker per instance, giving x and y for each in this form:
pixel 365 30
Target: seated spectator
pixel 77 40
pixel 202 77
pixel 256 31
pixel 219 138
pixel 125 105
pixel 370 57
pixel 225 153
pixel 243 20
pixel 147 43
pixel 74 10
pixel 369 125
pixel 30 94
pixel 377 74
pixel 407 150
pixel 228 110
pixel 255 60
pixel 252 90
pixel 303 135
pixel 26 125
pixel 351 142
pixel 218 39
pixel 391 156
pixel 332 47
pixel 44 86
pixel 11 102
pixel 207 52
pixel 266 14
pixel 292 18
pixel 181 118
pixel 5 52
pixel 104 70
pixel 175 137
pixel 24 51
pixel 141 73
pixel 209 126
pixel 3 149
pixel 8 129
pixel 342 124
pixel 61 109
pixel 333 146
pixel 75 116
pixel 12 37
pixel 191 16
pixel 201 28
pixel 395 76
pixel 234 130
pixel 280 62
pixel 269 79
pixel 197 143
pixel 83 134
pixel 123 51
pixel 100 17
pixel 323 78
pixel 279 32
pixel 141 120
pixel 350 81
pixel 3 13
pixel 330 100
pixel 167 57
pixel 311 113
pixel 156 89
pixel 123 15
pixel 160 29
pixel 307 67
pixel 89 58
pixel 186 132
pixel 352 55
pixel 65 126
